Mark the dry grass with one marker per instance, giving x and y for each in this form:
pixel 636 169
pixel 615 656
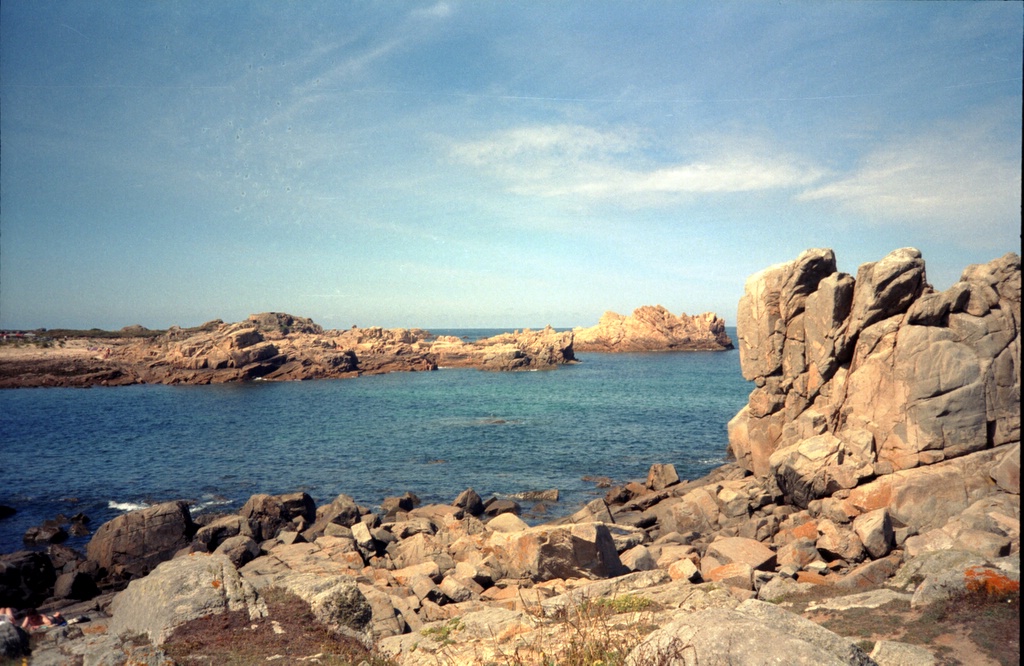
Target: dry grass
pixel 979 623
pixel 598 631
pixel 288 635
pixel 990 621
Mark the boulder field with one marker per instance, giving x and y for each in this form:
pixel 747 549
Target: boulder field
pixel 877 462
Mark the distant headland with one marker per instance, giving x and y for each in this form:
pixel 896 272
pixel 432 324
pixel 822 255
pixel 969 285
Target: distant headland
pixel 274 346
pixel 653 328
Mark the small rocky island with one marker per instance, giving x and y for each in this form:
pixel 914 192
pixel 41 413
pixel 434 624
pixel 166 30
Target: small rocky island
pixel 270 346
pixel 653 328
pixel 275 346
pixel 871 517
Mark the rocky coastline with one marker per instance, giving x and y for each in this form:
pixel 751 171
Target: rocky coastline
pixel 877 472
pixel 274 346
pixel 653 328
pixel 271 346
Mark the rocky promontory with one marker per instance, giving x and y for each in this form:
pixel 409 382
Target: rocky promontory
pixel 653 328
pixel 861 378
pixel 274 346
pixel 269 346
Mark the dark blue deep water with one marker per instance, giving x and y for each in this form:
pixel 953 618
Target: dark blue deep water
pixel 102 450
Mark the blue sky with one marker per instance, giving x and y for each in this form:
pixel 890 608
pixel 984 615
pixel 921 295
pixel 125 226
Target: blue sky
pixel 465 164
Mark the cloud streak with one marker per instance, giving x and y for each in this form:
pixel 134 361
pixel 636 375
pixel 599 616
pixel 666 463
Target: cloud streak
pixel 582 162
pixel 943 180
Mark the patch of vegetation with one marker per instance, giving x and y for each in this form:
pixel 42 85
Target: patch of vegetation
pixel 989 619
pixel 626 603
pixel 42 335
pixel 597 631
pixel 128 332
pixel 442 634
pixel 290 632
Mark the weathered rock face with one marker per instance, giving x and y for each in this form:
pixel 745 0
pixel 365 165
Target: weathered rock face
pixel 133 544
pixel 653 328
pixel 543 553
pixel 181 590
pixel 753 633
pixel 268 515
pixel 856 378
pixel 519 350
pixel 271 323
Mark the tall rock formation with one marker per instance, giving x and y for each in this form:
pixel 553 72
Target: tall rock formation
pixel 653 328
pixel 860 378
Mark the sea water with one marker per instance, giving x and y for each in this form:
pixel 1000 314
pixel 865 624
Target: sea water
pixel 103 451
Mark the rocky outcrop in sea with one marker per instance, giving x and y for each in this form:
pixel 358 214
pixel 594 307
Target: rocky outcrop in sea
pixel 877 471
pixel 271 347
pixel 653 328
pixel 274 346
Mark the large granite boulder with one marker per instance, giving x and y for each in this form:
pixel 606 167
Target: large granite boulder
pixel 26 578
pixel 858 378
pixel 268 515
pixel 755 554
pixel 79 585
pixel 335 601
pixel 925 498
pixel 697 511
pixel 276 324
pixel 754 633
pixel 521 350
pixel 470 502
pixel 342 510
pixel 213 534
pixel 181 590
pixel 653 328
pixel 132 544
pixel 585 550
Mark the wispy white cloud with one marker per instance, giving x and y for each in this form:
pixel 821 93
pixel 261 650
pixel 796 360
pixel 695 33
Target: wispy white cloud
pixel 946 179
pixel 740 173
pixel 578 161
pixel 437 10
pixel 550 142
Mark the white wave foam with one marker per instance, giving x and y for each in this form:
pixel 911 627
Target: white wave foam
pixel 199 507
pixel 126 506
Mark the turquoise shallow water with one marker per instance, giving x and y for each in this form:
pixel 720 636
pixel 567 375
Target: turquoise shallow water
pixel 100 451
